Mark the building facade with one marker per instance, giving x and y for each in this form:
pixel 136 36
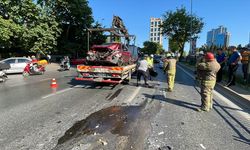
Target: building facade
pixel 155 30
pixel 218 37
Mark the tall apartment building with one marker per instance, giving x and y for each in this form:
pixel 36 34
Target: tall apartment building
pixel 155 30
pixel 218 37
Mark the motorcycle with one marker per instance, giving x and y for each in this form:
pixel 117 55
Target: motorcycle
pixel 64 65
pixel 3 68
pixel 33 69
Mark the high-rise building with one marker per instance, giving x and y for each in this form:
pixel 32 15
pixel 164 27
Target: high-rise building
pixel 155 30
pixel 218 37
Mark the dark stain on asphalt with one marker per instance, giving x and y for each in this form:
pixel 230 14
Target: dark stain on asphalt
pixel 115 119
pixel 113 96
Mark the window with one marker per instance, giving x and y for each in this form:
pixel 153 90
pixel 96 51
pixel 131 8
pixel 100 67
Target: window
pixel 155 34
pixel 155 29
pixel 155 23
pixel 151 39
pixel 22 60
pixel 151 34
pixel 151 30
pixel 159 29
pixel 152 23
pixel 158 38
pixel 159 22
pixel 159 34
pixel 154 38
pixel 10 61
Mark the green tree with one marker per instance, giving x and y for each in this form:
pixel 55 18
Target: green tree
pixel 177 26
pixel 29 28
pixel 74 16
pixel 151 48
pixel 173 45
pixel 97 38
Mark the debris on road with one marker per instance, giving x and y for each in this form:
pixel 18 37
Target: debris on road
pixel 103 142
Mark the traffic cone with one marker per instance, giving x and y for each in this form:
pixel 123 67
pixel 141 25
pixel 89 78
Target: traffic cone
pixel 53 83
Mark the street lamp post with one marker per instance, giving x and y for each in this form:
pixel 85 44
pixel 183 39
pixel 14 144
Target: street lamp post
pixel 191 29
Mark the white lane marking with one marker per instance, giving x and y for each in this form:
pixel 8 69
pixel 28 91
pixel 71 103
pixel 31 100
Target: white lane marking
pixel 56 93
pixel 133 95
pixel 224 99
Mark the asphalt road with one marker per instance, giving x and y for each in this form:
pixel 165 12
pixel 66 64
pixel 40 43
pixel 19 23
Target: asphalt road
pixel 82 115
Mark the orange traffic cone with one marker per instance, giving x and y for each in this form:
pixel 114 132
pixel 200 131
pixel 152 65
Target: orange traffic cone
pixel 53 83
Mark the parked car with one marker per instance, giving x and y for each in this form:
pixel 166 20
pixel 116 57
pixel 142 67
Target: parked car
pixel 17 64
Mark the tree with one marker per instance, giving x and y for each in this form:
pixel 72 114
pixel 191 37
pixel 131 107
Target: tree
pixel 28 28
pixel 173 45
pixel 177 26
pixel 151 48
pixel 97 38
pixel 74 17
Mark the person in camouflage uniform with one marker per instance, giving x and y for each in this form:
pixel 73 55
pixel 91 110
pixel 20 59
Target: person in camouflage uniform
pixel 207 72
pixel 170 70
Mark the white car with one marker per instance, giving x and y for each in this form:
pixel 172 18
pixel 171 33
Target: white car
pixel 17 64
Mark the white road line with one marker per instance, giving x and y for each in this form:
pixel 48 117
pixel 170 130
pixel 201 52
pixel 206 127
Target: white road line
pixel 56 93
pixel 224 99
pixel 133 95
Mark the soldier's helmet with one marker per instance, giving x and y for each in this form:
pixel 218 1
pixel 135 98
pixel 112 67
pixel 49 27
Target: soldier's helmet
pixel 209 56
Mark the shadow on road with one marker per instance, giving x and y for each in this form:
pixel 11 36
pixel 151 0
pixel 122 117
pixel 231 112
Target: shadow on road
pixel 241 137
pixel 90 85
pixel 173 101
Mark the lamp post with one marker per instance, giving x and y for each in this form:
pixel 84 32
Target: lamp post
pixel 191 29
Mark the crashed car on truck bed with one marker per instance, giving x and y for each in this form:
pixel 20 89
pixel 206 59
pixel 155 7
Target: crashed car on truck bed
pixel 110 54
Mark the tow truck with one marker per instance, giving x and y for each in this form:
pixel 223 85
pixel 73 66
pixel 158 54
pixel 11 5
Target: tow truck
pixel 109 73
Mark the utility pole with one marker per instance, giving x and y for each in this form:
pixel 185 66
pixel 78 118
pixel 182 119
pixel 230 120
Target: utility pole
pixel 191 29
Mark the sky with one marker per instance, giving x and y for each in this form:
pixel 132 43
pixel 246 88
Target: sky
pixel 233 14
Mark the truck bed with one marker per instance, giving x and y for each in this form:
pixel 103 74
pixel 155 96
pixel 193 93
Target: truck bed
pixel 108 74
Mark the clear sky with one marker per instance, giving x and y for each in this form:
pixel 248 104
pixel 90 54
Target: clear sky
pixel 233 14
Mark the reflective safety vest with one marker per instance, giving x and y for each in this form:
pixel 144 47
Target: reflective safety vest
pixel 245 56
pixel 150 62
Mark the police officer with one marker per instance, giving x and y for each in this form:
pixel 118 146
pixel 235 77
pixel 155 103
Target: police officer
pixel 208 70
pixel 150 61
pixel 170 70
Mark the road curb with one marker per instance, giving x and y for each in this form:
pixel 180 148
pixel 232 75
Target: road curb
pixel 228 93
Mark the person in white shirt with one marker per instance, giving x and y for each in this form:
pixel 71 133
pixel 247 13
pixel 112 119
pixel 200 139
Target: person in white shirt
pixel 142 68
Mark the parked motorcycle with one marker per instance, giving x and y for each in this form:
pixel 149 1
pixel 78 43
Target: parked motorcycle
pixel 33 69
pixel 65 64
pixel 3 67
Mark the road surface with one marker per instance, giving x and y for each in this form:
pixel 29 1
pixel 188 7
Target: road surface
pixel 83 115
